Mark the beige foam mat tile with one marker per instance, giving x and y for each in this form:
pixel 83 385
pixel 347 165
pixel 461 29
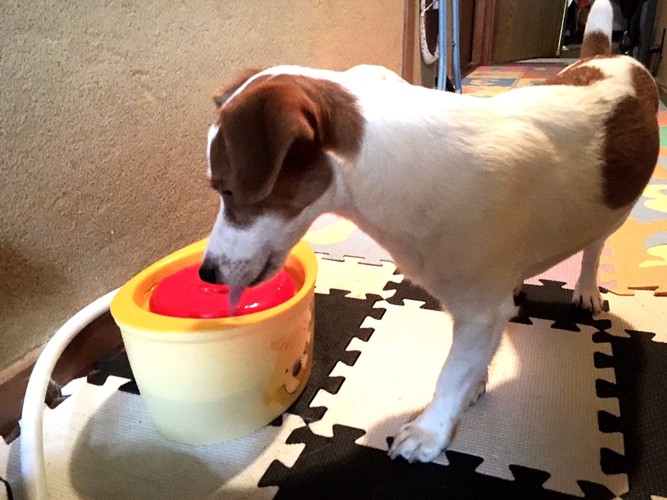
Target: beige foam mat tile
pixel 642 311
pixel 541 402
pixel 348 275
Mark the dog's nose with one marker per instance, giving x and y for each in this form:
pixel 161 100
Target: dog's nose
pixel 207 274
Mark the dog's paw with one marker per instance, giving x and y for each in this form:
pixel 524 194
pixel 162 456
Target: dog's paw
pixel 588 297
pixel 417 442
pixel 479 390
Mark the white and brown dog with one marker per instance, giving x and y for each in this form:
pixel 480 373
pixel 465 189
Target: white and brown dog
pixel 470 196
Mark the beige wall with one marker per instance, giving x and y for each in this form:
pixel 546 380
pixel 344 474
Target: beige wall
pixel 103 121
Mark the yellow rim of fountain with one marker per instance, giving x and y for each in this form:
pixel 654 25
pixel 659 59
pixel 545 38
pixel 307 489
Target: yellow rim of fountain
pixel 130 305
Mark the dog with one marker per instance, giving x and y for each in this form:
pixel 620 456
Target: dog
pixel 470 196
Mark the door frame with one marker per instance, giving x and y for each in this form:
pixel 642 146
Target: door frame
pixel 482 33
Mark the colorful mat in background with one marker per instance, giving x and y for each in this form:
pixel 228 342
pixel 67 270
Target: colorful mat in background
pixel 487 81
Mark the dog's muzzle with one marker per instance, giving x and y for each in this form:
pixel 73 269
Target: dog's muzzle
pixel 238 273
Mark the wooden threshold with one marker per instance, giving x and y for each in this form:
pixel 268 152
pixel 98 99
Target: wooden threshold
pixel 483 28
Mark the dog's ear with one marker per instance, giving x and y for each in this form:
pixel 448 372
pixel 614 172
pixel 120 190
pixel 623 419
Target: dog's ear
pixel 222 94
pixel 259 129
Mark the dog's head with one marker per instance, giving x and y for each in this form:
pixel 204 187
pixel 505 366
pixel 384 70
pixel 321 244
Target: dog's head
pixel 271 158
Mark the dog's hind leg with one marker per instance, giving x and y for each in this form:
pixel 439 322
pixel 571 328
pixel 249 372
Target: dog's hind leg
pixel 586 292
pixel 475 339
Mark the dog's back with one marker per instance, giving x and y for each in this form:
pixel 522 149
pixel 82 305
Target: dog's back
pixel 502 187
pixel 557 166
pixel 610 125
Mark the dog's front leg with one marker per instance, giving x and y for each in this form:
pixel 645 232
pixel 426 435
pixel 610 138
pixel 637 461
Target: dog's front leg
pixel 475 340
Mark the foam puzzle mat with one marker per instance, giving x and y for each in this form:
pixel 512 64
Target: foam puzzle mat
pixel 576 405
pixel 487 81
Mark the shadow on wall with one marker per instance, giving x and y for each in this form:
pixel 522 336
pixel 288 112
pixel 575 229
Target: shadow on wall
pixel 37 278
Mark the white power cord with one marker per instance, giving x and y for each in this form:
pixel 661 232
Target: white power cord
pixel 33 470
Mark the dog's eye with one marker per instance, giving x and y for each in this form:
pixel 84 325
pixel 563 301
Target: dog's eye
pixel 227 192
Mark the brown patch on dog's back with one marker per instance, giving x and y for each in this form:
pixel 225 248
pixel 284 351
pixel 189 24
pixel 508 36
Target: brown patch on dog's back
pixel 632 143
pixel 578 75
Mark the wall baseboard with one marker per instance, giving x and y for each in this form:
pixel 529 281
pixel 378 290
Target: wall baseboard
pixel 97 340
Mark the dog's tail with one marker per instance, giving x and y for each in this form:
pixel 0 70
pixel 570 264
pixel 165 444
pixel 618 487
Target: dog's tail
pixel 597 35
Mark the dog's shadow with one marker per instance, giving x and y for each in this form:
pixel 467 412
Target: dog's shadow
pixel 101 464
pixel 106 465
